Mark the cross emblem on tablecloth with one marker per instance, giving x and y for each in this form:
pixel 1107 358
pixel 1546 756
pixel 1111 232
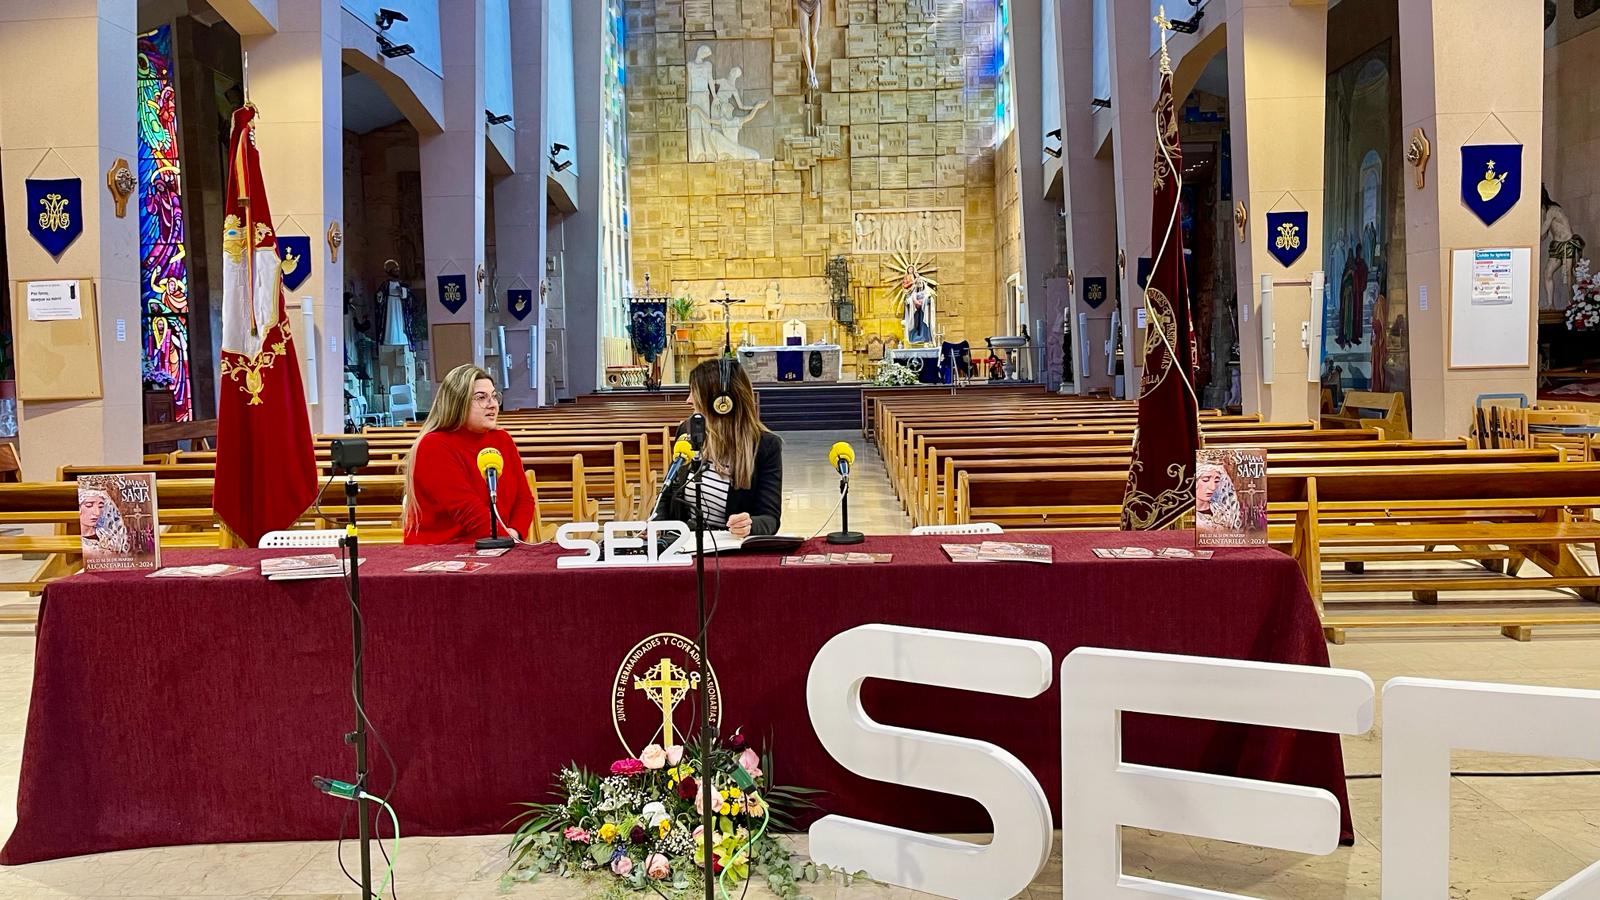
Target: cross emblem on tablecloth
pixel 665 684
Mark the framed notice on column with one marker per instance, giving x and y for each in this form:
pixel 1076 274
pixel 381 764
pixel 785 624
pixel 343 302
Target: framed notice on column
pixel 1490 312
pixel 56 330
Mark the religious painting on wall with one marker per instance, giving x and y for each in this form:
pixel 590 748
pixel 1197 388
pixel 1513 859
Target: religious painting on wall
pixel 163 269
pixel 1366 341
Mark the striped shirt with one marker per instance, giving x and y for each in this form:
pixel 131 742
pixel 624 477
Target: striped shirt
pixel 716 499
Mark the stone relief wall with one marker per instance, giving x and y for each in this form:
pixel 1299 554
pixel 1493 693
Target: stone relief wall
pixel 745 180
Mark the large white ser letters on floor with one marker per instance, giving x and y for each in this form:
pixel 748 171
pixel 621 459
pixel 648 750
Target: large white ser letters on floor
pixel 1423 721
pixel 952 765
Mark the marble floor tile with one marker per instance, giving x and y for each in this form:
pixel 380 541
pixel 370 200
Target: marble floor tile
pixel 1540 794
pixel 215 869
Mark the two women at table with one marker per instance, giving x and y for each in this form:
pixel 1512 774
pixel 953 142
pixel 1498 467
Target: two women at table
pixel 447 500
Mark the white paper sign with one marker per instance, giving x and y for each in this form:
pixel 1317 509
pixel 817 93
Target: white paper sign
pixel 1491 277
pixel 53 301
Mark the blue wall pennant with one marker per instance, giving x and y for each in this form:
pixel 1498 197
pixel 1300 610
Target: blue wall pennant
pixel 1288 235
pixel 453 292
pixel 1095 291
pixel 55 212
pixel 1491 179
pixel 520 302
pixel 294 251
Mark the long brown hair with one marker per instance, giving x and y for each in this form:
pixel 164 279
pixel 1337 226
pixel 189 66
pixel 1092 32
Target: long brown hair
pixel 451 404
pixel 731 438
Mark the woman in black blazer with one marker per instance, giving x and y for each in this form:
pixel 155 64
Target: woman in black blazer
pixel 743 483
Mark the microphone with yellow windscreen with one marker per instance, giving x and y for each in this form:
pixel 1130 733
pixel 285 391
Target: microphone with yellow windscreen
pixel 490 465
pixel 841 456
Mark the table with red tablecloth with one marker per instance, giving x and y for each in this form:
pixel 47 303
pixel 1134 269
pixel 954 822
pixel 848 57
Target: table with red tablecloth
pixel 176 711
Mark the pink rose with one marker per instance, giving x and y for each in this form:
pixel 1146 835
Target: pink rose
pixel 751 763
pixel 653 757
pixel 657 866
pixel 700 801
pixel 627 767
pixel 622 866
pixel 576 835
pixel 674 754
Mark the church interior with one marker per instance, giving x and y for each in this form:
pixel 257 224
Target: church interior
pixel 1286 303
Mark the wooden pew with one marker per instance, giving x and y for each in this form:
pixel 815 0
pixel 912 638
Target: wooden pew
pixel 1390 415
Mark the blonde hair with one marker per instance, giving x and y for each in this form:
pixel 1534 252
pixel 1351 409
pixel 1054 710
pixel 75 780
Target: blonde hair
pixel 731 439
pixel 451 405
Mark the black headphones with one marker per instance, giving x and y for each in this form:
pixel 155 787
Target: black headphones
pixel 722 403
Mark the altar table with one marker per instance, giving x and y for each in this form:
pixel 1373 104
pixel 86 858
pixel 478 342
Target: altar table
pixel 197 710
pixel 792 363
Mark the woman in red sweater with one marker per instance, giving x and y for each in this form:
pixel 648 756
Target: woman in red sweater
pixel 447 501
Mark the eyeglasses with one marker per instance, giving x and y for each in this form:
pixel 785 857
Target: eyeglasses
pixel 483 399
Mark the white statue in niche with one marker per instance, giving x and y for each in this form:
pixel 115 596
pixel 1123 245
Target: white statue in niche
pixel 774 300
pixel 717 112
pixel 810 14
pixel 918 321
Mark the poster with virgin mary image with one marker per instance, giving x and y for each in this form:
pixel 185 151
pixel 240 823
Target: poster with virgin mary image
pixel 1230 498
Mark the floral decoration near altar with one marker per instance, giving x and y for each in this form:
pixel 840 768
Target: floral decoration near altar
pixel 637 827
pixel 1583 314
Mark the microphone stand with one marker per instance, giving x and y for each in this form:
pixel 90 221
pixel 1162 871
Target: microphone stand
pixel 352 545
pixel 707 815
pixel 844 535
pixel 494 541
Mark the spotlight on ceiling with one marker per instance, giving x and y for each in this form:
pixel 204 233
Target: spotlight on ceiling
pixel 558 148
pixel 560 166
pixel 391 50
pixel 1190 25
pixel 1101 103
pixel 494 119
pixel 387 17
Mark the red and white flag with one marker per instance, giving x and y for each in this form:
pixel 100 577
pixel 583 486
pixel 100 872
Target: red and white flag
pixel 266 469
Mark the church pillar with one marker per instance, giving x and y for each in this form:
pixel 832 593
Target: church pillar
pixel 519 210
pixel 583 232
pixel 453 193
pixel 1039 254
pixel 294 79
pixel 1133 130
pixel 1277 97
pixel 67 110
pixel 1089 195
pixel 1455 85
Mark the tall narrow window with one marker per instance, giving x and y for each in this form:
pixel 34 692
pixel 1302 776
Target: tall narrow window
pixel 163 270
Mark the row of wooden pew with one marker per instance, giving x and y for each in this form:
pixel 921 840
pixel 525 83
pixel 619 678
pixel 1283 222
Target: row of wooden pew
pixel 588 462
pixel 1344 499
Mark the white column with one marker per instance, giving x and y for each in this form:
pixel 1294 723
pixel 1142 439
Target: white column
pixel 453 189
pixel 1453 82
pixel 295 83
pixel 1277 97
pixel 67 109
pixel 1089 191
pixel 1133 129
pixel 519 198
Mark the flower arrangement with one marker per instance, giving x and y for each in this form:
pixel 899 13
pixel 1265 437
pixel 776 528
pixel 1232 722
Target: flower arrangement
pixel 893 374
pixel 1583 313
pixel 638 827
pixel 156 377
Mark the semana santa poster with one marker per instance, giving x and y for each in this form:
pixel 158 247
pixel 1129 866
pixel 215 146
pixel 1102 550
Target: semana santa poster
pixel 1230 497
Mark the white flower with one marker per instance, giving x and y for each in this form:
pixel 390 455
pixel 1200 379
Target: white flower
pixel 653 813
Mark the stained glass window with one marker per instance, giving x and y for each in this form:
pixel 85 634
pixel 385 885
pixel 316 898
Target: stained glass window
pixel 164 273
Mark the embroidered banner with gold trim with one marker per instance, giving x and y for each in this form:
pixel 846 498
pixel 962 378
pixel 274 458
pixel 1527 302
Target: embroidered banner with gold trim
pixel 55 212
pixel 266 471
pixel 1161 478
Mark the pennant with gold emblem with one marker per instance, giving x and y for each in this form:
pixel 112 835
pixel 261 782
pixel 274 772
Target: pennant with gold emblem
pixel 1287 235
pixel 1491 179
pixel 294 251
pixel 520 302
pixel 453 292
pixel 55 212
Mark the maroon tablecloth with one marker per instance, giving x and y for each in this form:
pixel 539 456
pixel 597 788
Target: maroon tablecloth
pixel 197 710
